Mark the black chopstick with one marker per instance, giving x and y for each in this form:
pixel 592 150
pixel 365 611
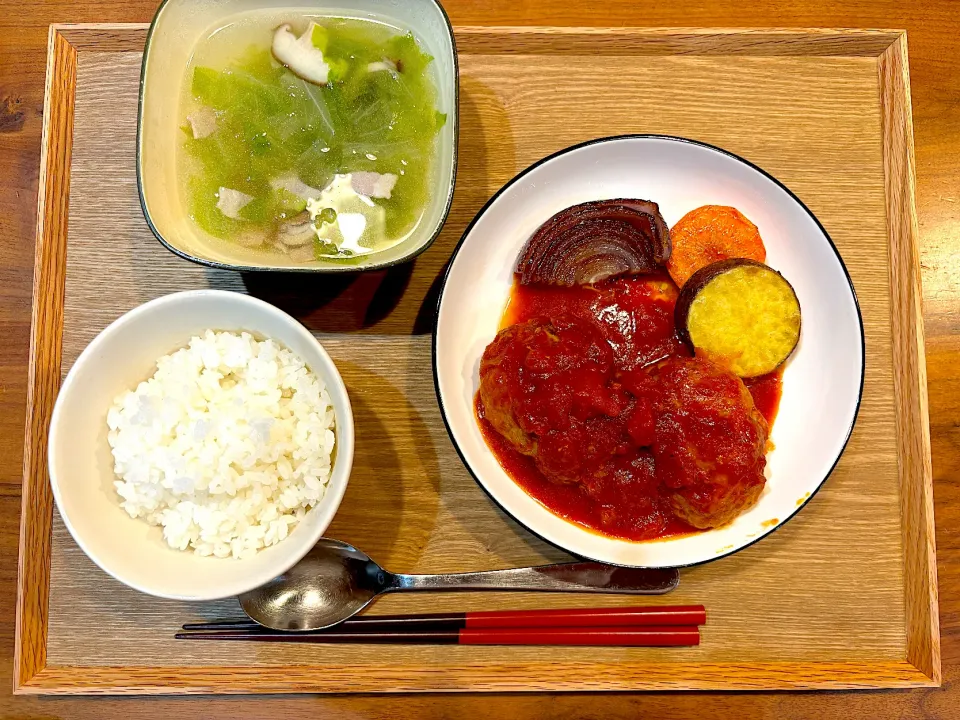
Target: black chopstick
pixel 438 622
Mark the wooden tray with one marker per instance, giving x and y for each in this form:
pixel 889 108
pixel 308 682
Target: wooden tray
pixel 844 596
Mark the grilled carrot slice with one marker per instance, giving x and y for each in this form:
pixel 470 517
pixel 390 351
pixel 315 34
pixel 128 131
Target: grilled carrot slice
pixel 709 234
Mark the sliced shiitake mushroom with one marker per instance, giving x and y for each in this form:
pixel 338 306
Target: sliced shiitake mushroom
pixel 741 314
pixel 297 231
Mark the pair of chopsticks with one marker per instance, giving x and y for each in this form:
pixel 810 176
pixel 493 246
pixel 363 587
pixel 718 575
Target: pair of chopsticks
pixel 655 626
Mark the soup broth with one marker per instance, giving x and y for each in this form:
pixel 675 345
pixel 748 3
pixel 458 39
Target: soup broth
pixel 312 137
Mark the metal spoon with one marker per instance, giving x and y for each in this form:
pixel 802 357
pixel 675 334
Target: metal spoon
pixel 336 581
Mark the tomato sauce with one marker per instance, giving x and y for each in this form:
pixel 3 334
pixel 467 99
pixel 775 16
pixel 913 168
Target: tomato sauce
pixel 635 314
pixel 766 391
pixel 623 498
pixel 633 510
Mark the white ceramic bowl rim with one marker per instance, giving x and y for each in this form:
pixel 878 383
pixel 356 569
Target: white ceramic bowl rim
pixel 734 156
pixel 420 249
pixel 328 505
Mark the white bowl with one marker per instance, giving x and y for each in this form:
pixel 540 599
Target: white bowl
pixel 177 28
pixel 81 464
pixel 823 379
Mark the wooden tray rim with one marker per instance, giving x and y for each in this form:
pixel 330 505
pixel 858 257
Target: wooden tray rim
pixel 921 667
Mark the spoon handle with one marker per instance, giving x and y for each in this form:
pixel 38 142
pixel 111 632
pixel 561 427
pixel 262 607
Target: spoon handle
pixel 587 577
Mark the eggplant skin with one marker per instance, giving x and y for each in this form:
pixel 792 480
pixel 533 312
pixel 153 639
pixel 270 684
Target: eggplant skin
pixel 700 280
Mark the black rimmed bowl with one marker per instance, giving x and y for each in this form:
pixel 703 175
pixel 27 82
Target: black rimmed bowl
pixel 176 29
pixel 822 382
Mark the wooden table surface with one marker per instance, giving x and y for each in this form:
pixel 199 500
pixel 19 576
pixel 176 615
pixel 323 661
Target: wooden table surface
pixel 934 46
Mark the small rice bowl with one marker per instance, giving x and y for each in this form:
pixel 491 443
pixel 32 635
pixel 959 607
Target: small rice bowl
pixel 226 447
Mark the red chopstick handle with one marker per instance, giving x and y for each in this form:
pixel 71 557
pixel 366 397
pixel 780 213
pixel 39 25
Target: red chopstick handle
pixel 589 617
pixel 664 636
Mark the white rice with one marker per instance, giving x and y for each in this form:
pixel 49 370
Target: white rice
pixel 226 447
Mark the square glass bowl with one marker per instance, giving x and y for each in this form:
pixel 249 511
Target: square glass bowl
pixel 177 28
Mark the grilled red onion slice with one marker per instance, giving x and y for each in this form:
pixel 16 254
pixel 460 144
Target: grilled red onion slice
pixel 593 241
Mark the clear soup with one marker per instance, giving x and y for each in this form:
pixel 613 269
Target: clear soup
pixel 306 136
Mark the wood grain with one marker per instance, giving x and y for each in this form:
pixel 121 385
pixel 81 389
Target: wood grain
pixel 103 37
pixel 503 676
pixel 430 516
pixel 763 42
pixel 910 382
pixel 45 348
pixel 934 38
